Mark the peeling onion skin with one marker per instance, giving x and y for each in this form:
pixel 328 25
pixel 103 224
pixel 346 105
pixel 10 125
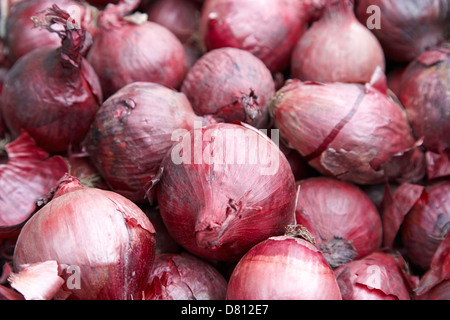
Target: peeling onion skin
pixel 139 116
pixel 348 131
pixel 219 211
pixel 241 91
pixel 337 48
pixel 283 268
pixel 342 219
pixel 104 234
pixel 408 28
pixel 268 29
pixel 184 277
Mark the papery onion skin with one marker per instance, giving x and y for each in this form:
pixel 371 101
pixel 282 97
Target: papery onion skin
pixel 226 206
pixel 241 91
pixel 283 268
pixel 378 276
pixel 407 28
pixel 343 220
pixel 132 132
pixel 142 51
pixel 349 131
pixel 103 234
pixel 267 28
pixel 337 48
pixel 184 277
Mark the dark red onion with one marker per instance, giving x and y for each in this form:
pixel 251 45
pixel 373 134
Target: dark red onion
pixel 378 276
pixel 337 48
pixel 267 28
pixel 343 220
pixel 53 93
pixel 231 85
pixel 394 79
pixel 407 28
pixel 7 293
pixel 349 131
pixel 224 188
pixel 283 268
pixel 129 48
pixel 27 173
pixel 184 277
pixel 101 239
pixel 22 37
pixel 132 132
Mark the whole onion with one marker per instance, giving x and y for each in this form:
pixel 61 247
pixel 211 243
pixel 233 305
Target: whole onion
pixel 132 133
pixel 52 92
pixel 337 48
pixel 343 220
pixel 267 28
pixel 283 268
pixel 183 276
pixel 231 85
pixel 224 188
pixel 27 173
pixel 407 27
pixel 21 37
pixel 425 95
pixel 103 242
pixel 352 132
pixel 378 276
pixel 129 48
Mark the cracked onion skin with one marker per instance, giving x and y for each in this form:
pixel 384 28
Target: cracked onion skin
pixel 105 235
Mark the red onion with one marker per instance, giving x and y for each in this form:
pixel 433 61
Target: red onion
pixel 341 217
pixel 378 276
pixel 129 48
pixel 20 36
pixel 184 277
pixel 283 268
pixel 424 94
pixel 232 85
pixel 407 28
pixel 230 186
pixel 267 28
pixel 349 131
pixel 103 242
pixel 337 48
pixel 81 167
pixel 52 93
pixel 27 173
pixel 132 132
pixel 7 293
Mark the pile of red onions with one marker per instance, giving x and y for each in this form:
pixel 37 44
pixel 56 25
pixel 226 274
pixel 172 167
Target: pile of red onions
pixel 406 28
pixel 343 220
pixel 337 48
pixel 230 186
pixel 268 29
pixel 184 277
pixel 99 243
pixel 52 92
pixel 242 90
pixel 129 48
pixel 132 132
pixel 352 132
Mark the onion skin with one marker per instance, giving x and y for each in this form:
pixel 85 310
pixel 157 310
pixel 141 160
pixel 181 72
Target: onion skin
pixel 242 90
pixel 184 277
pixel 104 234
pixel 378 276
pixel 343 220
pixel 283 268
pixel 225 208
pixel 131 134
pixel 341 130
pixel 408 28
pixel 337 48
pixel 268 29
pixel 29 174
